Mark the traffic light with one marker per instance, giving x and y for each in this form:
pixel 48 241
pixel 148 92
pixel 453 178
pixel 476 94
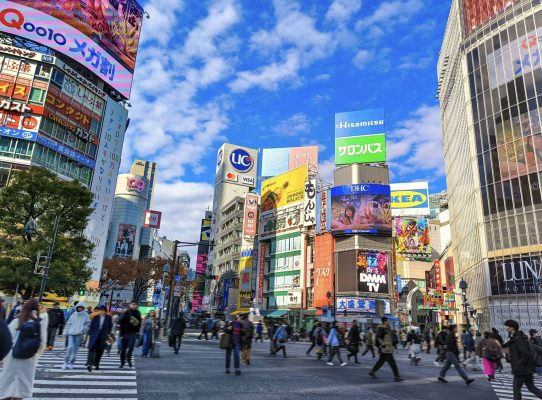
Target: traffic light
pixel 81 292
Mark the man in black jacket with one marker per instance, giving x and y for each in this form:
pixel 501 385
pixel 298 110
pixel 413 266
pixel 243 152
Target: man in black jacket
pixel 440 344
pixel 56 319
pixel 5 339
pixel 520 357
pixel 177 331
pixel 452 357
pixel 130 323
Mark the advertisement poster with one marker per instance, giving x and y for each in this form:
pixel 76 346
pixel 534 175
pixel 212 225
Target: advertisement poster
pixel 40 26
pixel 518 275
pixel 372 269
pixel 152 219
pixel 235 164
pixel 478 12
pixel 361 304
pixel 309 205
pixel 113 24
pixel 284 190
pixel 245 282
pixel 412 236
pixel 361 208
pixel 205 230
pixel 281 221
pixel 126 237
pixel 279 161
pixel 359 123
pixel 250 221
pixel 360 149
pixel 324 269
pixel 409 199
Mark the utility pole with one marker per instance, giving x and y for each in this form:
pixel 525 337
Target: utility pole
pixel 49 256
pixel 171 280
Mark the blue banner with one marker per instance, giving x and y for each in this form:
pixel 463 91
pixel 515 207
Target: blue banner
pixel 66 151
pixel 359 123
pixel 360 188
pixel 18 133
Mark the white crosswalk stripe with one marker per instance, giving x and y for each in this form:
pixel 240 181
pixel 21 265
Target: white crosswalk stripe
pixel 503 387
pixel 108 383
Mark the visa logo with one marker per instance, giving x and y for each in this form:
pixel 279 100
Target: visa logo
pixel 408 199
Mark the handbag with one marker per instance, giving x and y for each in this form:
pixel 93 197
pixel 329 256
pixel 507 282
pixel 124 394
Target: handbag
pixel 171 340
pixel 225 341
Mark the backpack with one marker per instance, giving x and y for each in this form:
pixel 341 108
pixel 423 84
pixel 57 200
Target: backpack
pixel 320 336
pixel 536 354
pixel 29 340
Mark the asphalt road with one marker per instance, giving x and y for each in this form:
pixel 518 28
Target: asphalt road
pixel 198 373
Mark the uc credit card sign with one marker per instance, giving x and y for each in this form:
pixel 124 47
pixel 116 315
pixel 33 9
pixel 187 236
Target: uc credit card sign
pixel 410 199
pixel 358 123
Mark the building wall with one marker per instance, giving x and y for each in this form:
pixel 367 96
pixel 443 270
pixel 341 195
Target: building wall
pixel 148 170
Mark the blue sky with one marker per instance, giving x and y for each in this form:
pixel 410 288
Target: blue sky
pixel 272 74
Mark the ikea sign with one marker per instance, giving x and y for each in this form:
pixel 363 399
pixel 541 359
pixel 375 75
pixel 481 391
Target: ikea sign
pixel 410 199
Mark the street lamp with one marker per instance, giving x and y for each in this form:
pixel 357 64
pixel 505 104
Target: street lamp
pixel 463 286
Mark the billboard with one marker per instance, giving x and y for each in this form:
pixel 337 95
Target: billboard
pixel 126 238
pixel 412 236
pixel 309 204
pixel 205 230
pixel 360 208
pixel 43 28
pixel 478 12
pixel 324 270
pixel 237 164
pixel 358 304
pixel 360 149
pixel 152 219
pixel 372 267
pixel 115 25
pixel 409 199
pixel 279 161
pixel 359 123
pixel 250 221
pixel 284 190
pixel 515 275
pixel 261 274
pixel 281 221
pixel 245 282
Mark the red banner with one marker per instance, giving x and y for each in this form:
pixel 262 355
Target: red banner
pixel 478 12
pixel 324 269
pixel 261 273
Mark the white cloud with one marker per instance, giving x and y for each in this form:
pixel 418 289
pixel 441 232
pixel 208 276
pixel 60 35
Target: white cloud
pixel 319 98
pixel 342 11
pixel 415 62
pixel 163 18
pixel 416 145
pixel 391 12
pixel 326 169
pixel 361 58
pixel 322 77
pixel 297 124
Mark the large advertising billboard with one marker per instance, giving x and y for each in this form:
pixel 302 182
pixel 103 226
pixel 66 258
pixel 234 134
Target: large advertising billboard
pixel 250 220
pixel 126 237
pixel 409 199
pixel 279 161
pixel 372 267
pixel 515 275
pixel 281 221
pixel 236 164
pixel 324 270
pixel 284 190
pixel 359 123
pixel 245 282
pixel 152 219
pixel 113 24
pixel 478 12
pixel 360 208
pixel 412 236
pixel 42 27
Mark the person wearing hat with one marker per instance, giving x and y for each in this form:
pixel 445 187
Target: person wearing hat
pixel 56 319
pixel 100 328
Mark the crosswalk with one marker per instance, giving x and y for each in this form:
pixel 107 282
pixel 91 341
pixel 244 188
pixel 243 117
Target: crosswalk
pixel 503 387
pixel 108 383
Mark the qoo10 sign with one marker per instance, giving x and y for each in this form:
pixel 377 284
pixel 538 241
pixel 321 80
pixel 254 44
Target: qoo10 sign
pixel 135 185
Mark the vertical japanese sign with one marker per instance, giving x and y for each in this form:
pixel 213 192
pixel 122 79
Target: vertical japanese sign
pixel 250 221
pixel 261 273
pixel 427 281
pixel 104 181
pixel 309 205
pixel 321 211
pixel 438 276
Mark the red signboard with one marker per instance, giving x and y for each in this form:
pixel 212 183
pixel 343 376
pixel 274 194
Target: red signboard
pixel 438 276
pixel 261 273
pixel 152 219
pixel 70 111
pixel 324 269
pixel 478 12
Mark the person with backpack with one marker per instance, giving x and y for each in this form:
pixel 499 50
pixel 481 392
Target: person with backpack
pixel 130 323
pixel 100 329
pixel 77 325
pixel 440 344
pixel 354 340
pixel 246 339
pixel 334 344
pixel 384 342
pixel 521 358
pixel 29 333
pixel 280 337
pixel 368 341
pixel 536 340
pixel 177 332
pixel 312 338
pixel 490 351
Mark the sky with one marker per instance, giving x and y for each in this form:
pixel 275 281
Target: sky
pixel 262 73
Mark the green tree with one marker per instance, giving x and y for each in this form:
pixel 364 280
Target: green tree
pixel 38 194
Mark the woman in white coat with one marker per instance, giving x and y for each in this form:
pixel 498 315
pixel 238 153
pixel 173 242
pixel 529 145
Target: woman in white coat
pixel 17 377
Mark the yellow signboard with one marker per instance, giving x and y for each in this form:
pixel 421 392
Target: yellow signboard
pixel 285 189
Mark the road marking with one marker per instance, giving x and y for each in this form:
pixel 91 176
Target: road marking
pixel 84 383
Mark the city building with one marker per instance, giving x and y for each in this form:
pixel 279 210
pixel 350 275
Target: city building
pixel 55 91
pixel 437 202
pixel 490 81
pixel 148 170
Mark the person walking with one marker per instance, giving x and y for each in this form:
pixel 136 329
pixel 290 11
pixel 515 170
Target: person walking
pixel 149 326
pixel 354 340
pixel 384 342
pixel 235 329
pixel 452 357
pixel 177 331
pixel 334 344
pixel 368 341
pixel 3 313
pixel 56 320
pixel 29 333
pixel 312 338
pixel 489 350
pixel 499 339
pixel 215 330
pixel 280 337
pixel 259 332
pixel 77 325
pixel 130 323
pixel 246 340
pixel 403 336
pixel 427 338
pixel 440 344
pixel 535 339
pixel 6 341
pixel 100 329
pixel 204 330
pixel 523 366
